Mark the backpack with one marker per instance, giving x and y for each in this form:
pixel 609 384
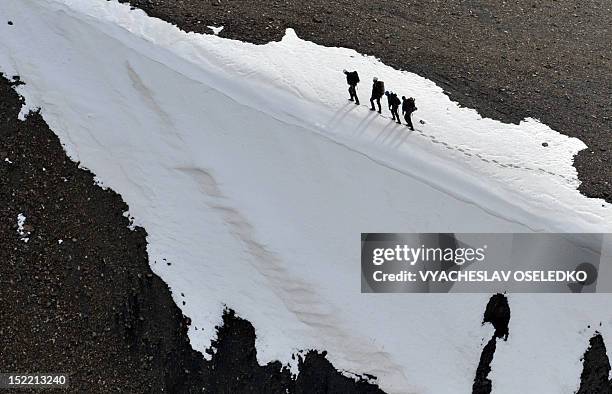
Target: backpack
pixel 409 105
pixel 352 78
pixel 396 100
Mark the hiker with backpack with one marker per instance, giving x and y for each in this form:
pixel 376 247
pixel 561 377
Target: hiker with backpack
pixel 352 78
pixel 378 90
pixel 408 107
pixel 394 103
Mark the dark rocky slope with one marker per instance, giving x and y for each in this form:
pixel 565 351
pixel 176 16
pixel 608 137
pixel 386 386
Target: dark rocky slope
pixel 595 377
pixel 497 313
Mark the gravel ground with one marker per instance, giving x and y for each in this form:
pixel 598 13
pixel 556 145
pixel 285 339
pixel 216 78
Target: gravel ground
pixel 551 60
pixel 80 298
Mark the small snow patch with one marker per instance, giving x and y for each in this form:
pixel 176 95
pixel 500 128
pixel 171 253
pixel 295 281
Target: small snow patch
pixel 131 226
pixel 215 29
pixel 8 161
pixel 26 108
pixel 98 182
pixel 23 234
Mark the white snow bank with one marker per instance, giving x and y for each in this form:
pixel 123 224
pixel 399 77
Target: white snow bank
pixel 216 29
pixel 254 177
pixel 23 234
